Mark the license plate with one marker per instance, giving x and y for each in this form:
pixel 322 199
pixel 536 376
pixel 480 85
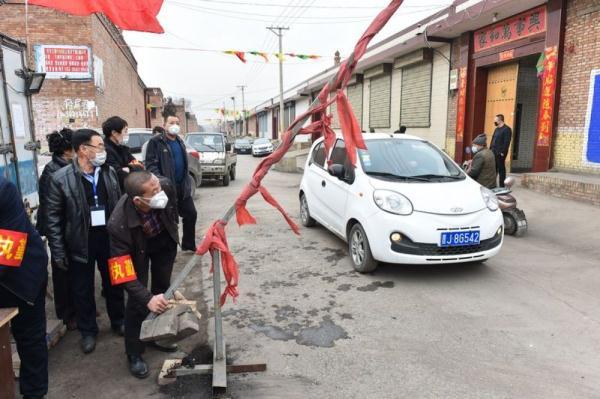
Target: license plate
pixel 460 238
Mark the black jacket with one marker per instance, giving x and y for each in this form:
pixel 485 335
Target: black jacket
pixel 69 213
pixel 30 278
pixel 119 156
pixel 501 140
pixel 159 161
pixel 127 236
pixel 44 186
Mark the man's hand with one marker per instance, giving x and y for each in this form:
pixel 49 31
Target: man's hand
pixel 62 264
pixel 158 304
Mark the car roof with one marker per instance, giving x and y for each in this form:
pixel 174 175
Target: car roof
pixel 200 133
pixel 378 136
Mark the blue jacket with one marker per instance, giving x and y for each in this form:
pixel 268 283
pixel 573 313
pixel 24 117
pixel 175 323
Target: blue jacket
pixel 27 280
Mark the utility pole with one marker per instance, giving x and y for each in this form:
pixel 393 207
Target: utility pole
pixel 243 111
pixel 234 118
pixel 277 30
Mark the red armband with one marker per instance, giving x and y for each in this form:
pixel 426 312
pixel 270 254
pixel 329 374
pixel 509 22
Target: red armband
pixel 12 247
pixel 121 270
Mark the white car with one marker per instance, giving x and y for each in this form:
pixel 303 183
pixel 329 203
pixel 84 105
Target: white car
pixel 262 146
pixel 406 202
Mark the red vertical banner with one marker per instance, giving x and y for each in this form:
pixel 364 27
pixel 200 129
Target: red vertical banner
pixel 546 106
pixel 462 104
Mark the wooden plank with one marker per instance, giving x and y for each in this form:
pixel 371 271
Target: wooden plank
pixel 6 314
pixel 7 387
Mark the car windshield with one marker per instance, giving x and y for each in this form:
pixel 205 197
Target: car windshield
pixel 261 141
pixel 242 142
pixel 206 142
pixel 409 160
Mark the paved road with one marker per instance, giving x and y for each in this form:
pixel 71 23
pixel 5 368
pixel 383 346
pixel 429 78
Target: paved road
pixel 524 325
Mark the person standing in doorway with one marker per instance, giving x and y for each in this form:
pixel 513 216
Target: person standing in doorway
pixel 166 156
pixel 500 146
pixel 59 143
pixel 81 198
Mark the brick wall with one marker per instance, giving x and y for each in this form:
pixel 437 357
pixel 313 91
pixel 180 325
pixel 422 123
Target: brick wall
pixel 452 102
pixel 581 55
pixel 123 94
pixel 77 103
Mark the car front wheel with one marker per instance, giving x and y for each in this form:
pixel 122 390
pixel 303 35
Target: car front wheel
pixel 360 251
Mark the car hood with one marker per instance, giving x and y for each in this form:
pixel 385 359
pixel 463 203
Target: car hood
pixel 443 198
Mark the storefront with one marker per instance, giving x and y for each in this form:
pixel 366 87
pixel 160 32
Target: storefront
pixel 513 67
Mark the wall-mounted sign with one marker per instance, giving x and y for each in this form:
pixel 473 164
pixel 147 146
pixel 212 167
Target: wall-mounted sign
pixel 453 84
pixel 546 107
pixel 64 62
pixel 523 25
pixel 506 55
pixel 462 104
pixel 591 153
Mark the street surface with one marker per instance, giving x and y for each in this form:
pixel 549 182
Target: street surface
pixel 526 324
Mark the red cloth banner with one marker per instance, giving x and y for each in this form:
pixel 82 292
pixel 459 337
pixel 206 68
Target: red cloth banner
pixel 462 104
pixel 546 107
pixel 139 15
pixel 215 238
pixel 518 27
pixel 12 247
pixel 121 270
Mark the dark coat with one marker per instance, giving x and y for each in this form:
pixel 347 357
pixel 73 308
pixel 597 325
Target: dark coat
pixel 69 213
pixel 159 160
pixel 127 236
pixel 483 168
pixel 27 280
pixel 119 157
pixel 501 140
pixel 44 186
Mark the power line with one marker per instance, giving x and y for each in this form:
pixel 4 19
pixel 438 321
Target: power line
pixel 244 3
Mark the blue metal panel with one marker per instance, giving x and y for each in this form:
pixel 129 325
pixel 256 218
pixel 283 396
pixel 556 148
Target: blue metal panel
pixel 593 126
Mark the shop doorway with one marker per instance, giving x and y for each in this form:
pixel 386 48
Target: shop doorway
pixel 501 97
pixel 526 115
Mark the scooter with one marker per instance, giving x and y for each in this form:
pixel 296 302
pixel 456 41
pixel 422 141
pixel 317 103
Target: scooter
pixel 515 222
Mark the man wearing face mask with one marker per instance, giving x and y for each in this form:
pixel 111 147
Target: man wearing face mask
pixel 81 198
pixel 119 155
pixel 143 232
pixel 483 166
pixel 166 156
pixel 500 146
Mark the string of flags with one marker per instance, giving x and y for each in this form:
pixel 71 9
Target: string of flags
pixel 223 112
pixel 241 55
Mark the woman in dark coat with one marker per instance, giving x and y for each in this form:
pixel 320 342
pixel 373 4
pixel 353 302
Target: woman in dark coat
pixel 118 155
pixel 62 153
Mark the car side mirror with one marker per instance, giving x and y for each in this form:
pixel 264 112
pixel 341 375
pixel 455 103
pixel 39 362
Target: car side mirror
pixel 228 147
pixel 338 171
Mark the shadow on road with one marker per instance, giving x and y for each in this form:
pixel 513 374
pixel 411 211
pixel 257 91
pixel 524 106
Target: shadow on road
pixel 446 272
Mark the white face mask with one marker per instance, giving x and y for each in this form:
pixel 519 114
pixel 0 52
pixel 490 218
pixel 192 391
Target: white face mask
pixel 158 201
pixel 174 129
pixel 100 159
pixel 474 149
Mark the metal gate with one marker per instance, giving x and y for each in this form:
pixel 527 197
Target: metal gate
pixel 18 161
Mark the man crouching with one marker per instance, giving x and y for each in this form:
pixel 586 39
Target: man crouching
pixel 143 237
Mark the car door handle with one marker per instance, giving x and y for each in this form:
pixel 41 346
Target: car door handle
pixel 323 184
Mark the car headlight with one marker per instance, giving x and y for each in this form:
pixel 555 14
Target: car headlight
pixel 489 198
pixel 393 202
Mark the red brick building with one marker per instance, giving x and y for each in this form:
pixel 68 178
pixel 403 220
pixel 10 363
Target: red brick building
pixel 91 72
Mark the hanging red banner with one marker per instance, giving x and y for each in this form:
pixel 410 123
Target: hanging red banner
pixel 546 107
pixel 462 104
pixel 523 25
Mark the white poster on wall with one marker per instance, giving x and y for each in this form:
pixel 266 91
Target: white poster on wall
pixel 18 119
pixel 99 73
pixel 64 62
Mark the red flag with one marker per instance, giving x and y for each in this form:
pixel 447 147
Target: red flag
pixel 137 15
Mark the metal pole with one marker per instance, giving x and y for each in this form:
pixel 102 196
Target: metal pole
pixel 281 104
pixel 217 305
pixel 243 111
pixel 234 118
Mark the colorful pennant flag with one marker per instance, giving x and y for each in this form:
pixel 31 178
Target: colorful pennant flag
pixel 260 54
pixel 240 54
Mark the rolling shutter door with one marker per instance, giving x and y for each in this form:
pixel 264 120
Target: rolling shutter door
pixel 355 97
pixel 415 108
pixel 379 104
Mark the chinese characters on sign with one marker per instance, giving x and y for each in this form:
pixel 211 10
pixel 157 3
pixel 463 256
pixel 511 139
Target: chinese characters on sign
pixel 70 62
pixel 121 270
pixel 462 104
pixel 523 25
pixel 546 109
pixel 12 247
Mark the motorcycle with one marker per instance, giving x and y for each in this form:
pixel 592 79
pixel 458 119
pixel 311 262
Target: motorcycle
pixel 515 222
